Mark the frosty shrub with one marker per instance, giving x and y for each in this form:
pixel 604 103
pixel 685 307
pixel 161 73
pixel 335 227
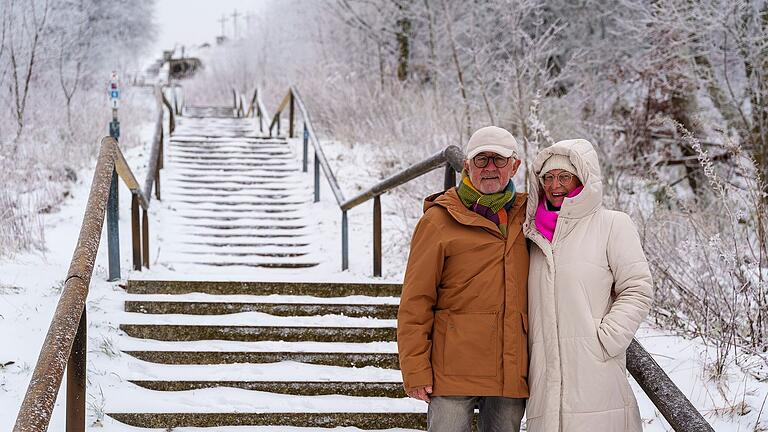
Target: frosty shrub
pixel 709 256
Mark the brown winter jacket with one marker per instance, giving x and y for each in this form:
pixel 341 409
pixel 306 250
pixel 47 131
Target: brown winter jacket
pixel 462 324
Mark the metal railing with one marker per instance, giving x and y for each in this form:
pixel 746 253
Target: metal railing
pixel 668 399
pixel 252 108
pixel 65 344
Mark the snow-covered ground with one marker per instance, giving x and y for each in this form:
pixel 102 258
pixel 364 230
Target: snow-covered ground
pixel 30 285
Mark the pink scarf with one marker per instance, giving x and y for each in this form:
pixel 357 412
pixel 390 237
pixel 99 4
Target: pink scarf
pixel 546 220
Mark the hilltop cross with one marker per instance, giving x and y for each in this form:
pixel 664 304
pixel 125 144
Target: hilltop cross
pixel 234 22
pixel 222 21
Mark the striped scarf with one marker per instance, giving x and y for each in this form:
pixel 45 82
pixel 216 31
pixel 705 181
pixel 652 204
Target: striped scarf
pixel 494 207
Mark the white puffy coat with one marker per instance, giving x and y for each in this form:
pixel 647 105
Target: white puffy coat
pixel 589 290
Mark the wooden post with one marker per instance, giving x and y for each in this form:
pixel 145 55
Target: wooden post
pixel 113 233
pixel 306 149
pixel 76 378
pixel 450 177
pixel 344 241
pixel 377 236
pixel 290 116
pixel 145 238
pixel 135 232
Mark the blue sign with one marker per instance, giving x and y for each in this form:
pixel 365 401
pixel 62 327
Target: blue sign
pixel 114 94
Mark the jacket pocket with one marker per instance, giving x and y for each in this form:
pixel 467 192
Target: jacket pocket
pixel 471 344
pixel 602 354
pixel 524 349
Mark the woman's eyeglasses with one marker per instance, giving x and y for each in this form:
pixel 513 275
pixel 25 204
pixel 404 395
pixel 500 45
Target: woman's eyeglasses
pixel 564 178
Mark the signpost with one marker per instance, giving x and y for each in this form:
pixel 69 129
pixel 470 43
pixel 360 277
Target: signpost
pixel 113 233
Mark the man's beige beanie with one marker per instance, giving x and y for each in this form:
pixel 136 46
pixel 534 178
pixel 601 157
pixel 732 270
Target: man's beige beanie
pixel 492 139
pixel 558 161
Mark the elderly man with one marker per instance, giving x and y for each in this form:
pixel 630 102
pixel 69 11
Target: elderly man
pixel 462 324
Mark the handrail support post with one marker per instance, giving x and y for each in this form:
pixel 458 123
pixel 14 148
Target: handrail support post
pixel 290 116
pixel 145 238
pixel 136 232
pixel 344 241
pixel 450 177
pixel 76 378
pixel 377 236
pixel 306 149
pixel 317 178
pixel 113 231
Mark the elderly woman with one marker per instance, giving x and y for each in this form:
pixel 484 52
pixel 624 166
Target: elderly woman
pixel 589 290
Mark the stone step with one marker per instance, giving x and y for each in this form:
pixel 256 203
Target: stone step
pixel 272 180
pixel 375 421
pixel 220 151
pixel 209 138
pixel 220 235
pixel 229 157
pixel 231 169
pixel 192 163
pixel 250 264
pixel 245 244
pixel 256 211
pixel 381 311
pixel 341 359
pixel 235 203
pixel 299 388
pixel 234 189
pixel 170 332
pixel 241 218
pixel 315 289
pixel 214 252
pixel 248 194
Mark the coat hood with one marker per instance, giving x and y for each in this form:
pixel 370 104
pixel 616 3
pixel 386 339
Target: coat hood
pixel 584 157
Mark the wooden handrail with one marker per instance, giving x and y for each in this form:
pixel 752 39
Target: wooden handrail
pixel 451 155
pixel 312 137
pixel 64 348
pixel 36 409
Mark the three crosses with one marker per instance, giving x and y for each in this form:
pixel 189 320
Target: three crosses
pixel 223 20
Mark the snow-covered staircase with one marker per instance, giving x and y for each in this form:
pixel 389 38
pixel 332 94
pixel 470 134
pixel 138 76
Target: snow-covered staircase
pixel 236 198
pixel 274 354
pixel 305 354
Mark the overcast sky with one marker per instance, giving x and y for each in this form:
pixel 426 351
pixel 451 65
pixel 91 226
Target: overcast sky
pixel 192 22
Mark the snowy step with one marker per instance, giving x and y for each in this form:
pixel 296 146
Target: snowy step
pixel 192 209
pixel 251 264
pixel 222 201
pixel 247 193
pixel 315 289
pixel 340 359
pixel 281 192
pixel 243 168
pixel 300 388
pixel 235 217
pixel 229 146
pixel 169 332
pixel 381 311
pixel 229 157
pixel 208 111
pixel 192 162
pixel 362 420
pixel 210 139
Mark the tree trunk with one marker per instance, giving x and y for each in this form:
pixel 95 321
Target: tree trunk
pixel 403 37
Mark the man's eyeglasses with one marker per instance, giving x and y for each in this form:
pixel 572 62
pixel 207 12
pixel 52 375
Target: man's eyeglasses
pixel 564 178
pixel 481 161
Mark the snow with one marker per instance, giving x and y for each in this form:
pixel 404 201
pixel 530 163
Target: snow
pixel 30 286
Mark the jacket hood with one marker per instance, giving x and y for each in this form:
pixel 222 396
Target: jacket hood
pixel 584 157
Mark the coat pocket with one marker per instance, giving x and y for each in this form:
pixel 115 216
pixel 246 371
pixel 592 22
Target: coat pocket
pixel 471 344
